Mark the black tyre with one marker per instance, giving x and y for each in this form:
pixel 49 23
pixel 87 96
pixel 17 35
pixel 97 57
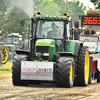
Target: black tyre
pixel 75 78
pixel 65 72
pixel 98 77
pixel 4 52
pixel 83 67
pixel 16 70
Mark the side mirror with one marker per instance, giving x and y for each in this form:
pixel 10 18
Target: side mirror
pixel 22 22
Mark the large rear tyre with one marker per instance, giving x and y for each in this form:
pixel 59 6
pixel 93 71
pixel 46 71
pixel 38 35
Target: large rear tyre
pixel 65 72
pixel 83 67
pixel 16 70
pixel 4 52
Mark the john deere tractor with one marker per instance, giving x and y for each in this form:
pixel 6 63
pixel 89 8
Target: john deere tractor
pixel 14 41
pixel 53 56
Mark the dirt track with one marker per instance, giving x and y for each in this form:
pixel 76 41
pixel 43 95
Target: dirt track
pixel 45 91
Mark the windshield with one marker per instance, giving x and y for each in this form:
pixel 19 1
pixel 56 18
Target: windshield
pixel 12 40
pixel 15 40
pixel 50 29
pixel 9 40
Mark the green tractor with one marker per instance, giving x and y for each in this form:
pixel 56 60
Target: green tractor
pixel 14 41
pixel 52 56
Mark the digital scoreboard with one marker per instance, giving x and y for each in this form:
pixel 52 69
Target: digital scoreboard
pixel 90 20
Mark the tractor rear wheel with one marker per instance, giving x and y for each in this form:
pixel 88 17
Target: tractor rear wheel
pixel 83 66
pixel 16 70
pixel 65 72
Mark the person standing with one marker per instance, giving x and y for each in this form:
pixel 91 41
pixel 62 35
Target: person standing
pixel 76 33
pixel 90 31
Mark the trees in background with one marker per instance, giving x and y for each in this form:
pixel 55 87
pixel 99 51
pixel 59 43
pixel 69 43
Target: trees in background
pixel 59 7
pixel 10 15
pixel 96 3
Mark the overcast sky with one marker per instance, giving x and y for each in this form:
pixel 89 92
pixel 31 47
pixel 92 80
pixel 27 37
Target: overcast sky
pixel 87 3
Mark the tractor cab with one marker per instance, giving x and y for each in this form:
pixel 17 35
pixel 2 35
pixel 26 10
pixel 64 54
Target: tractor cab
pixel 13 39
pixel 51 35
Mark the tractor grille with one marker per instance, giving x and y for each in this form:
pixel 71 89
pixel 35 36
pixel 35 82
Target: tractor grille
pixel 9 48
pixel 43 49
pixel 45 57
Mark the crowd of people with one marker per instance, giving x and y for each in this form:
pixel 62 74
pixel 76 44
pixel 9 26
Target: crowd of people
pixel 88 31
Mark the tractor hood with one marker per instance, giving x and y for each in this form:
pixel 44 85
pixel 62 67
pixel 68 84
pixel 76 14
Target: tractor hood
pixel 45 42
pixel 11 48
pixel 46 48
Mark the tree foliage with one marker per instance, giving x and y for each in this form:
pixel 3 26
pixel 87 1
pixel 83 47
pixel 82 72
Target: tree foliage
pixel 52 8
pixel 10 16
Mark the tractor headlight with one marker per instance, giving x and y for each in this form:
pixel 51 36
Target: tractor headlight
pixel 46 54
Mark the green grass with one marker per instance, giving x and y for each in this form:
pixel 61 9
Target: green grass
pixel 8 65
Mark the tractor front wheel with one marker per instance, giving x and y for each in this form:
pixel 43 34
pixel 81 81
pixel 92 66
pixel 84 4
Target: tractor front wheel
pixel 16 70
pixel 65 72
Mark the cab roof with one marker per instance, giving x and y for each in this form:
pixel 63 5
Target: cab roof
pixel 51 17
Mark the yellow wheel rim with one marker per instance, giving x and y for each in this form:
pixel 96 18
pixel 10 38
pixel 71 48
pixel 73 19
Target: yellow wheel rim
pixel 5 54
pixel 87 67
pixel 71 73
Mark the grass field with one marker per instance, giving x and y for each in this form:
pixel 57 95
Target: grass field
pixel 7 66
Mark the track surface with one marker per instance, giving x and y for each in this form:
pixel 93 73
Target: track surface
pixel 46 91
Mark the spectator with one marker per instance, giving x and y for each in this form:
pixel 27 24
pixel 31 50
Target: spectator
pixel 86 29
pixel 76 33
pixel 90 31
